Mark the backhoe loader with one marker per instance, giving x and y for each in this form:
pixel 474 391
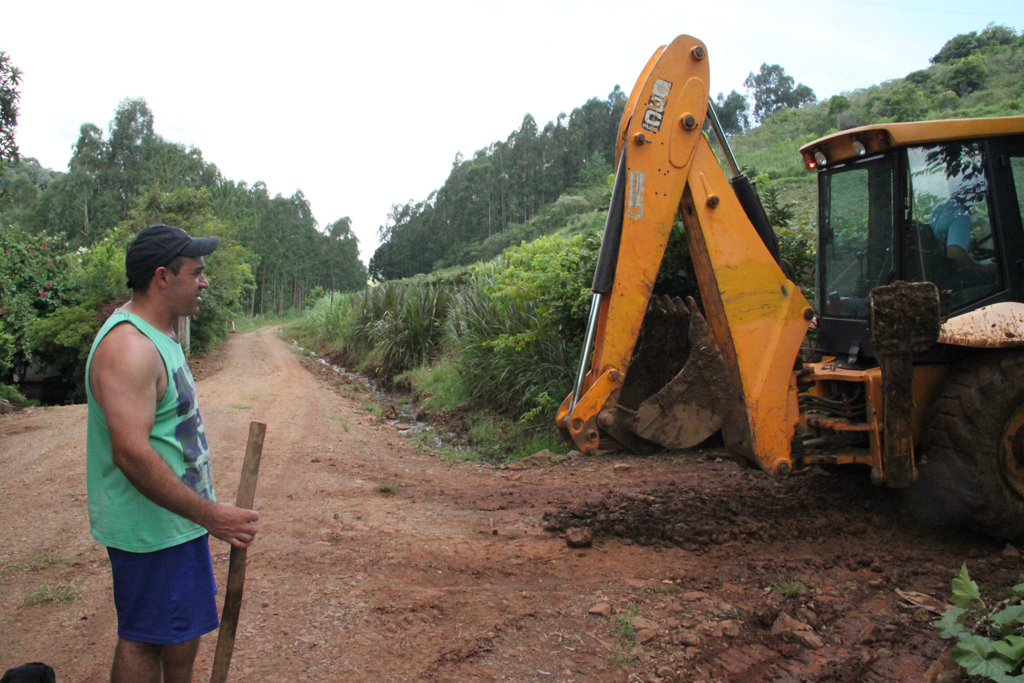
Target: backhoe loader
pixel 914 365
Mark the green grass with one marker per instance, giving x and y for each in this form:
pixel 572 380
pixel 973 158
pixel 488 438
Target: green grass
pixel 458 453
pixel 623 628
pixel 45 559
pixel 38 561
pixel 329 323
pixel 530 441
pixel 374 408
pixel 437 385
pixel 624 650
pixel 388 489
pixel 424 439
pixel 342 420
pixel 787 588
pixel 500 440
pixel 619 657
pixel 58 593
pixel 256 322
pixel 489 430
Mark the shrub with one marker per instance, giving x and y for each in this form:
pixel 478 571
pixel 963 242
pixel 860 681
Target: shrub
pixel 517 329
pixel 11 394
pixel 36 280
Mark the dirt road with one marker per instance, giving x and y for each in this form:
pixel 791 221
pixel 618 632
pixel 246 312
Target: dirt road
pixel 378 563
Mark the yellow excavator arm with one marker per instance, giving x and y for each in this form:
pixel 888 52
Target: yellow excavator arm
pixel 739 371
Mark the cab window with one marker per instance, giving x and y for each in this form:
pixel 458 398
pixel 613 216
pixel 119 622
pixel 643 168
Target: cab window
pixel 856 241
pixel 950 237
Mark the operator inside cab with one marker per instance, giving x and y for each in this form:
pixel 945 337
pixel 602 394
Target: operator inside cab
pixel 951 223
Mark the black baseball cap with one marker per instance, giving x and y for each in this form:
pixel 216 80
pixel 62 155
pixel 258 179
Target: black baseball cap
pixel 156 246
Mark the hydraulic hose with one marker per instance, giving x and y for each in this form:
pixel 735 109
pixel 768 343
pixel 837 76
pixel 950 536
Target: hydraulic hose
pixel 746 191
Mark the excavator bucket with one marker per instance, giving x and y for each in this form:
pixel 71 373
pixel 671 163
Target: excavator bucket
pixel 677 390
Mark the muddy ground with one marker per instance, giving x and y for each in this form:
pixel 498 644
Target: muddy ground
pixel 378 562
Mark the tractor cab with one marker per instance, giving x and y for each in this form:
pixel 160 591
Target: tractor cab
pixel 916 202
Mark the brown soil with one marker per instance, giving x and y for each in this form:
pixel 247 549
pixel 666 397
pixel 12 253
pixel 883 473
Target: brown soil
pixel 376 562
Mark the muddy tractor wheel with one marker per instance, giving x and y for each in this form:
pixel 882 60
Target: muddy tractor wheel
pixel 973 468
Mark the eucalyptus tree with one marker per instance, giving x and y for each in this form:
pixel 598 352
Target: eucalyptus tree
pixel 501 185
pixel 10 78
pixel 773 89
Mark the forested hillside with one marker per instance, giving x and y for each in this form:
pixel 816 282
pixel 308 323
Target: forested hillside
pixel 133 168
pixel 501 186
pixel 63 237
pixel 540 181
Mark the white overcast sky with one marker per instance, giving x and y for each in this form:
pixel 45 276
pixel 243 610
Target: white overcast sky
pixel 364 105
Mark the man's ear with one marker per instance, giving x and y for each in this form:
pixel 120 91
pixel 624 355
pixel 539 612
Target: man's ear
pixel 160 277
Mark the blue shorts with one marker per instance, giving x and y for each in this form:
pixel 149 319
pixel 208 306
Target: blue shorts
pixel 167 596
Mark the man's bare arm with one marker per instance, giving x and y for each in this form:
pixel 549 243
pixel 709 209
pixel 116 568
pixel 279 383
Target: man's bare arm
pixel 962 258
pixel 125 377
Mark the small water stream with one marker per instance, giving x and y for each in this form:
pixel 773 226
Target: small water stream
pixel 406 412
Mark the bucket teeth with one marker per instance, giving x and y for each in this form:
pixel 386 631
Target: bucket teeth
pixel 676 391
pixel 666 305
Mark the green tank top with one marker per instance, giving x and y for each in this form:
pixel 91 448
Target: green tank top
pixel 119 516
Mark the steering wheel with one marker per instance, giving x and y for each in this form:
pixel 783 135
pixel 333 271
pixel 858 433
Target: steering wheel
pixel 979 252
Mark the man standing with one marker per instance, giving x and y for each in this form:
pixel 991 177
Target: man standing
pixel 151 499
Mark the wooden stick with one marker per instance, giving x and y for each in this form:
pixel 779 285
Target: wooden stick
pixel 236 567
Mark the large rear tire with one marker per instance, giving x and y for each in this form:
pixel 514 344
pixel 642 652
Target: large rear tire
pixel 973 467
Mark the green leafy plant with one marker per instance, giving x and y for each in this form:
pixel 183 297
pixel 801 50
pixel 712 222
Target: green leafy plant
pixel 990 640
pixel 35 281
pixel 11 394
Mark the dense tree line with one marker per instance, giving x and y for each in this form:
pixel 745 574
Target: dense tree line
pixel 507 183
pixel 63 237
pixel 134 168
pixel 502 185
pixel 10 76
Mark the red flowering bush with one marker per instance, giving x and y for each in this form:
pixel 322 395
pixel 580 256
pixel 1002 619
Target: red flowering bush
pixel 35 282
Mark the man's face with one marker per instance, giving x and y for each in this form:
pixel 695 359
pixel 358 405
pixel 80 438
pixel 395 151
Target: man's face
pixel 186 287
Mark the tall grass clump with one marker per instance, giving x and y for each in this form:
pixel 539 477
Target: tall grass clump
pixel 439 385
pixel 409 332
pixel 383 330
pixel 370 306
pixel 503 337
pixel 328 322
